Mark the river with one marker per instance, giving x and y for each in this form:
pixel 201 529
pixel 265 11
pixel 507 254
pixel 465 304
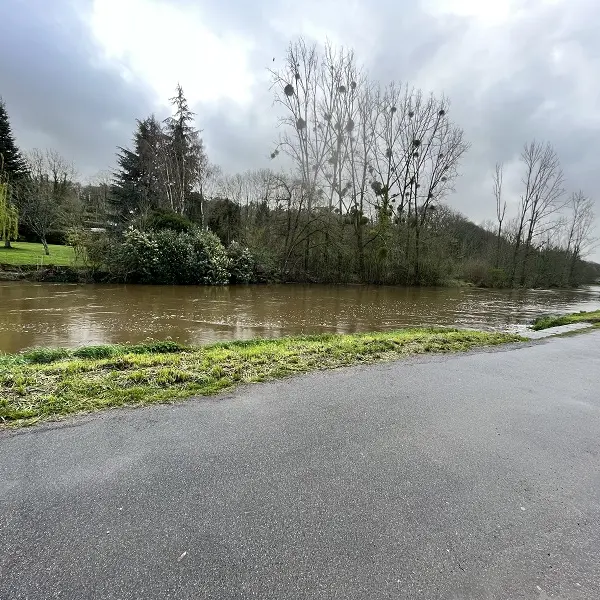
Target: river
pixel 46 314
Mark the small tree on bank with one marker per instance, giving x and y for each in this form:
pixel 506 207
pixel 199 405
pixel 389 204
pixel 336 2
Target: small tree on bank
pixel 13 170
pixel 46 193
pixel 9 217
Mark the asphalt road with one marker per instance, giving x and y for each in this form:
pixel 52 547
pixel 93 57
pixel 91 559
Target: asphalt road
pixel 473 476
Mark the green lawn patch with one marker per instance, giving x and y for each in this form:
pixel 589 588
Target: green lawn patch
pixel 547 321
pixel 25 253
pixel 43 384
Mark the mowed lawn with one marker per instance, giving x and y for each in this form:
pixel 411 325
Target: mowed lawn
pixel 25 253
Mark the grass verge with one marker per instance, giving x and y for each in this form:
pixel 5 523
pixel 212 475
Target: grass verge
pixel 547 321
pixel 25 253
pixel 43 384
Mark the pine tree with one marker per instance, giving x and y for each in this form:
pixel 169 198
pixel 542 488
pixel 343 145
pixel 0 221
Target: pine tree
pixel 13 163
pixel 163 170
pixel 137 182
pixel 184 154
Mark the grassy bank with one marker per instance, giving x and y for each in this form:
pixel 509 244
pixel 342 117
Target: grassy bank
pixel 555 321
pixel 25 253
pixel 44 384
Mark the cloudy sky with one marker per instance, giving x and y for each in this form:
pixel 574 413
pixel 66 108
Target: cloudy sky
pixel 75 74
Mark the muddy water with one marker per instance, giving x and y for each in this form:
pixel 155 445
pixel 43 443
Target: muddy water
pixel 71 315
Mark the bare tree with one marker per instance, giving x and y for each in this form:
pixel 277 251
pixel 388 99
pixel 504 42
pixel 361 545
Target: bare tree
pixel 580 240
pixel 423 152
pixel 500 206
pixel 543 180
pixel 319 96
pixel 48 194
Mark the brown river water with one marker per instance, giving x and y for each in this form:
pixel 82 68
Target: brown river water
pixel 46 314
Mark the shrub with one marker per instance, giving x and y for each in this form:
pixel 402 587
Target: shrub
pixel 175 260
pixel 164 219
pixel 58 274
pixel 91 248
pixel 169 257
pixel 158 347
pixel 136 258
pixel 430 274
pixel 211 265
pixel 497 278
pixel 265 265
pixel 242 266
pixel 56 237
pixel 96 352
pixel 475 271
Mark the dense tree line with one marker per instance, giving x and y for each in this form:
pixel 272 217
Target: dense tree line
pixel 359 191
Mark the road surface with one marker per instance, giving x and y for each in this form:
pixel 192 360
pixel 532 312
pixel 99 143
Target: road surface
pixel 473 476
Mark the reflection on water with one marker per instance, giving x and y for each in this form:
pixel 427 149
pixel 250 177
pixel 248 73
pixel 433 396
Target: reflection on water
pixel 47 314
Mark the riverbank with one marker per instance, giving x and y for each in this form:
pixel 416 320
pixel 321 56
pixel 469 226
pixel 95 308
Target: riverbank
pixel 44 384
pixel 60 273
pixel 67 272
pixel 50 274
pixel 547 321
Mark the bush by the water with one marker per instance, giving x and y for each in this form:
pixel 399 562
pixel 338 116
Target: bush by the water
pixel 170 257
pixel 242 266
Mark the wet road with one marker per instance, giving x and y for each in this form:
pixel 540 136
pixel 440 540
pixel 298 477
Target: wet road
pixel 473 476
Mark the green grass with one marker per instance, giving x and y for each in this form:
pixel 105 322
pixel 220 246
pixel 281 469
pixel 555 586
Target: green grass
pixel 25 253
pixel 44 384
pixel 547 321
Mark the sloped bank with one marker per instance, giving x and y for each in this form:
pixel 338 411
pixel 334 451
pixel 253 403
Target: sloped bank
pixel 43 384
pixel 548 321
pixel 51 274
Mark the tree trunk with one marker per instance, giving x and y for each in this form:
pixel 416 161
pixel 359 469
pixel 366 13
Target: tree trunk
pixel 498 246
pixel 361 251
pixel 306 252
pixel 417 275
pixel 526 255
pixel 513 271
pixel 7 243
pixel 46 249
pixel 525 265
pixel 572 263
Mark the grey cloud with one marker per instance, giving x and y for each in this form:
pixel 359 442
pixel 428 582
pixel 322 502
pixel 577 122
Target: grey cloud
pixel 53 93
pixel 499 120
pixel 238 140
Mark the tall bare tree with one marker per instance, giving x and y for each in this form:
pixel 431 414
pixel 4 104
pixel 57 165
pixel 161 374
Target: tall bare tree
pixel 500 206
pixel 542 197
pixel 319 96
pixel 580 240
pixel 417 161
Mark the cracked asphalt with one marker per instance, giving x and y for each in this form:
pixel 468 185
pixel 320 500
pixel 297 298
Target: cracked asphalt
pixel 472 476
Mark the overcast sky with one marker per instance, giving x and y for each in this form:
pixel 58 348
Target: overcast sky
pixel 75 74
